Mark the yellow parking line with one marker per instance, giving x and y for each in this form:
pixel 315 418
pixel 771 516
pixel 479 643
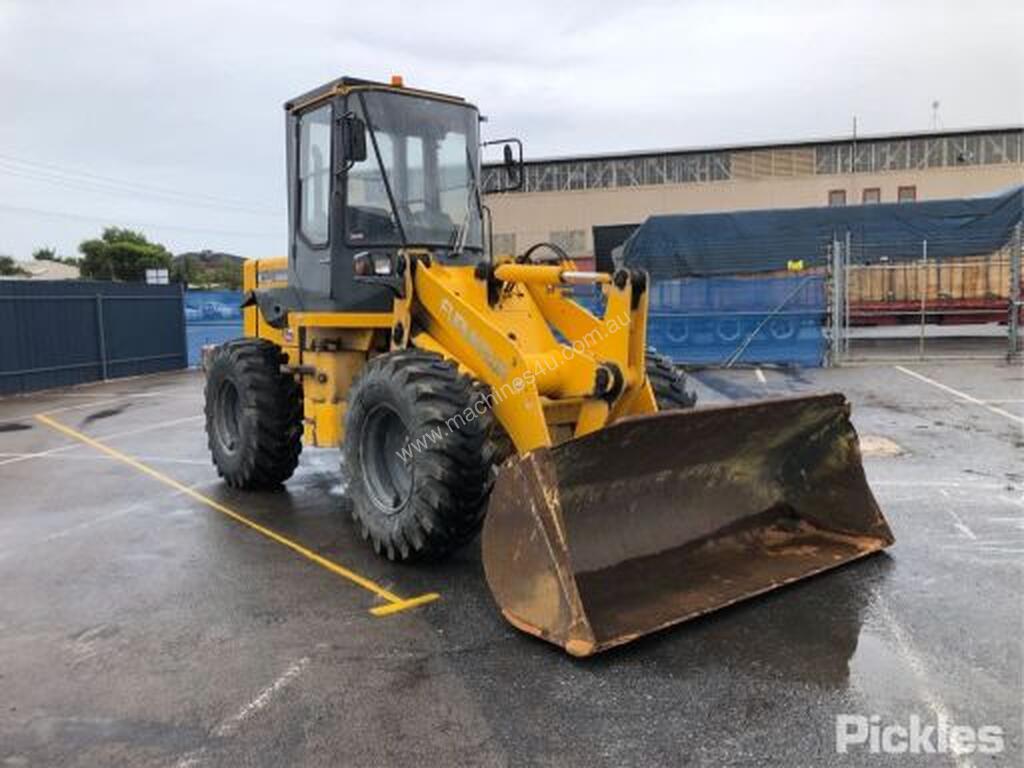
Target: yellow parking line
pixel 404 605
pixel 395 603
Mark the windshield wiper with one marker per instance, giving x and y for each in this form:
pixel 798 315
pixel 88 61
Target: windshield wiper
pixel 383 171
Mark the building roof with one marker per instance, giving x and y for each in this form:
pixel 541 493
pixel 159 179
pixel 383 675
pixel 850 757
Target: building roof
pixel 783 144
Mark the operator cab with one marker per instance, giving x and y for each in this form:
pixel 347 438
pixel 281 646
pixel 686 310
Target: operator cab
pixel 375 169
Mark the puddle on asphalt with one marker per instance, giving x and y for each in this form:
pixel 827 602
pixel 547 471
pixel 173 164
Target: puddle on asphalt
pixel 878 673
pixel 106 413
pixel 839 639
pixel 320 468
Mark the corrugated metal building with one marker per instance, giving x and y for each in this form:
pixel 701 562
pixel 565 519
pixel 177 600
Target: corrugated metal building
pixel 582 203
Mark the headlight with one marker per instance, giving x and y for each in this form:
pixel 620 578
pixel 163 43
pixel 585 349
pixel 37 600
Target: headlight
pixel 362 265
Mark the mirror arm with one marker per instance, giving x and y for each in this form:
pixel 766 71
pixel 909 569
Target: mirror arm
pixel 520 166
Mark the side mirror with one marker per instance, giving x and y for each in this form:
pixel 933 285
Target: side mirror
pixel 353 138
pixel 512 162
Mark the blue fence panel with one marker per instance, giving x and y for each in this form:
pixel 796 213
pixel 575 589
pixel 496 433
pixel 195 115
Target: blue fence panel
pixel 211 317
pixel 693 320
pixel 708 320
pixel 59 333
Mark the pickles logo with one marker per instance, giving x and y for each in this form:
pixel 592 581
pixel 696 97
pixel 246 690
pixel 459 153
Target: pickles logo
pixel 462 326
pixel 868 734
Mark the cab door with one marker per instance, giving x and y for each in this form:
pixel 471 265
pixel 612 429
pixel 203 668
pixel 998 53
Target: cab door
pixel 311 198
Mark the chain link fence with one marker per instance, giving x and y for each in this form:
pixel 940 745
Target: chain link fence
pixel 885 306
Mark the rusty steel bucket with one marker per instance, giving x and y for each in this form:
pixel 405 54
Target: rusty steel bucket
pixel 662 518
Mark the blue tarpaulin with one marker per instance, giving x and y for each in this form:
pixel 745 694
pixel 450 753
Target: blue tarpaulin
pixel 211 317
pixel 704 244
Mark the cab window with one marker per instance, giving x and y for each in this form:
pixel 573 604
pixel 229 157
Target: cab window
pixel 315 174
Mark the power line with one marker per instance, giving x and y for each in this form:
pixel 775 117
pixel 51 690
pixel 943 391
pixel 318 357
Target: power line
pixel 148 225
pixel 81 185
pixel 86 177
pixel 51 168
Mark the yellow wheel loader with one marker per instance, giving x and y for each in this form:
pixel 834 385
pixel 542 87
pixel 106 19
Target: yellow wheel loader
pixel 467 389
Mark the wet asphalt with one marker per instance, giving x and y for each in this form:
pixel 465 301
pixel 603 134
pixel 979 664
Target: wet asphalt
pixel 139 627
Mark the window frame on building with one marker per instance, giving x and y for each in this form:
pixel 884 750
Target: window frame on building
pixel 875 193
pixel 834 195
pixel 902 191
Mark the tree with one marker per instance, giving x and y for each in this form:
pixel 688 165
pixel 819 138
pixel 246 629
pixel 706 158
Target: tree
pixel 45 254
pixel 208 269
pixel 229 276
pixel 180 271
pixel 121 254
pixel 9 268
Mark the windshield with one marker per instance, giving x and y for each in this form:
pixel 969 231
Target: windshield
pixel 424 185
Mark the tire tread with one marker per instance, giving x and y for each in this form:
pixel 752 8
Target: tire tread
pixel 452 476
pixel 272 405
pixel 668 382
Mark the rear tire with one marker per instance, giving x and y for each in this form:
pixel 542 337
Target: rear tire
pixel 419 469
pixel 253 415
pixel 669 383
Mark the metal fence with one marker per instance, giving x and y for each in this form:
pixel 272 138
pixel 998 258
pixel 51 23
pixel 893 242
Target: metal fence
pixel 855 303
pixel 59 333
pixel 966 307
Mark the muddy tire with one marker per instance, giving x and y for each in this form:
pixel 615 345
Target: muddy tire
pixel 669 383
pixel 419 470
pixel 253 415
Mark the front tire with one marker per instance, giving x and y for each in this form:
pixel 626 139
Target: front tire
pixel 669 383
pixel 253 415
pixel 417 456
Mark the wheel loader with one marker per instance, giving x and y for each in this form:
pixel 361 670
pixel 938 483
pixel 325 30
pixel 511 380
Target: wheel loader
pixel 469 390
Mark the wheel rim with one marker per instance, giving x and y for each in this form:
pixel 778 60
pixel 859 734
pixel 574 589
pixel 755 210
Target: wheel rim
pixel 228 416
pixel 387 474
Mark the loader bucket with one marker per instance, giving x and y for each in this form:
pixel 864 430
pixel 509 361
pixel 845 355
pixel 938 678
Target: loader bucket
pixel 658 519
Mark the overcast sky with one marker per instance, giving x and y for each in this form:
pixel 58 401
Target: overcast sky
pixel 166 116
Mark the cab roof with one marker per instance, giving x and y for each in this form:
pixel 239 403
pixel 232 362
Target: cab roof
pixel 343 83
